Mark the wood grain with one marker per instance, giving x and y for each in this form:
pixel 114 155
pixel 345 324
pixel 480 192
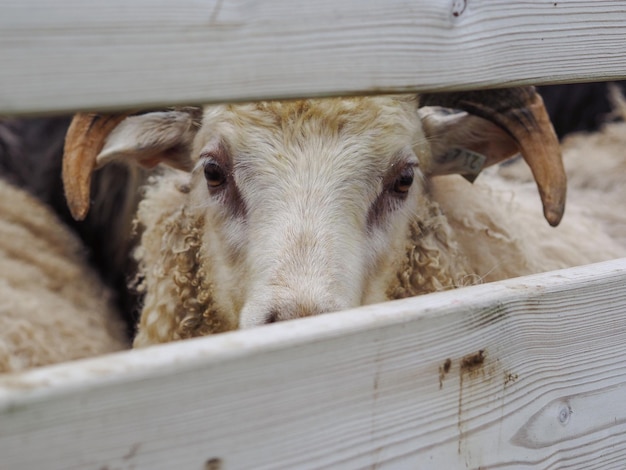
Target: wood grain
pixel 70 55
pixel 524 373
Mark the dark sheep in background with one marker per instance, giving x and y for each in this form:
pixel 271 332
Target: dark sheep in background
pixel 579 107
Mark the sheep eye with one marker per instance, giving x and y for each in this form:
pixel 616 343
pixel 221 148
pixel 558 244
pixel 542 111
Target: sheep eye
pixel 404 181
pixel 214 174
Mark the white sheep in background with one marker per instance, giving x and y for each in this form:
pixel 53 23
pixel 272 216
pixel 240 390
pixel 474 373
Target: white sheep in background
pixel 280 210
pixel 53 307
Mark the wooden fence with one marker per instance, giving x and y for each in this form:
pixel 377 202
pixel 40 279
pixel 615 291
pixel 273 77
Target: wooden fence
pixel 524 373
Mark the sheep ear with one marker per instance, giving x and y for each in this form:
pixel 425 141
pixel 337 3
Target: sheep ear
pixel 150 139
pixel 463 143
pixel 95 139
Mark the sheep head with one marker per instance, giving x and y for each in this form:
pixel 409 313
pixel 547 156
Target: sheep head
pixel 305 205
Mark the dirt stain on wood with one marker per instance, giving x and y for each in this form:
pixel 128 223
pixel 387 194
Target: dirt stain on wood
pixel 471 367
pixel 443 371
pixel 213 464
pixel 133 451
pixel 509 378
pixel 472 363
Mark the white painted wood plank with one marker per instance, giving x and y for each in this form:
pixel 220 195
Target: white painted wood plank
pixel 69 54
pixel 535 379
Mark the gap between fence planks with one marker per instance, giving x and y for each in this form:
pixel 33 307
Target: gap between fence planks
pixel 527 372
pixel 68 55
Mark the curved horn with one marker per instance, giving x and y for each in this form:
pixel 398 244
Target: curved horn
pixel 521 113
pixel 83 142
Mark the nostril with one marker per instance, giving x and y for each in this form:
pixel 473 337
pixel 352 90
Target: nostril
pixel 289 311
pixel 272 317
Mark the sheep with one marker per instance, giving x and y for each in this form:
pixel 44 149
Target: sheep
pixel 277 210
pixel 31 154
pixel 54 307
pixel 579 106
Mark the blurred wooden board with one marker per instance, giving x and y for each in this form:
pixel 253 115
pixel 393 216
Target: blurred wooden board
pixel 69 54
pixel 524 373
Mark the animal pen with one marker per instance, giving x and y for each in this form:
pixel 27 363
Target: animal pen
pixel 523 373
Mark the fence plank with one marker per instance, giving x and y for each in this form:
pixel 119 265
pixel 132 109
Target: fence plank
pixel 449 380
pixel 68 54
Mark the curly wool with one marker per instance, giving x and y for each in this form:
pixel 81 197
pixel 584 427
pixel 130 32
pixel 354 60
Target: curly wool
pixel 178 292
pixel 432 261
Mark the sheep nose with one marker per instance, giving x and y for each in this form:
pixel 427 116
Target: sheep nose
pixel 299 310
pixel 273 316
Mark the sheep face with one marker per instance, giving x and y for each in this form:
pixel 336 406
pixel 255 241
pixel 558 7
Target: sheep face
pixel 305 203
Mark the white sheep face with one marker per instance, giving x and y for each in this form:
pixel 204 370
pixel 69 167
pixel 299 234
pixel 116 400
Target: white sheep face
pixel 306 202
